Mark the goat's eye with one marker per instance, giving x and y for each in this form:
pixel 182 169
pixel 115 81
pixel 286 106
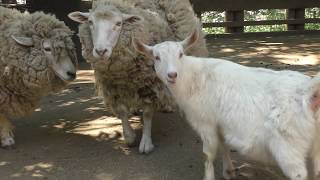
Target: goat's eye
pixel 119 23
pixel 180 55
pixel 157 58
pixel 90 22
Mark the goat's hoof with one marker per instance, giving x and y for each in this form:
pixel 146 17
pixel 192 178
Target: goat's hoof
pixel 229 174
pixel 146 145
pixel 7 143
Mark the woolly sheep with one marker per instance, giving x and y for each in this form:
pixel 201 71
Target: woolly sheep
pixel 37 56
pixel 266 115
pixel 124 78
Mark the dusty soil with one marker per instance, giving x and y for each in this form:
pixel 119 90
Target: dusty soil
pixel 71 136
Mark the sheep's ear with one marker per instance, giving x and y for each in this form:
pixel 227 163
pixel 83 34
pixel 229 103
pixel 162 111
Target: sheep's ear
pixel 142 48
pixel 23 41
pixel 131 18
pixel 190 40
pixel 79 16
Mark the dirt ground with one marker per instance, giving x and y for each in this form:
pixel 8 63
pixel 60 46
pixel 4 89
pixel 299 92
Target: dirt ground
pixel 71 136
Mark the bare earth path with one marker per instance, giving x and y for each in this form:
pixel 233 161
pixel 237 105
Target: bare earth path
pixel 72 137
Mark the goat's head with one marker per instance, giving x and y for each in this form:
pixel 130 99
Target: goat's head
pixel 58 51
pixel 167 56
pixel 105 25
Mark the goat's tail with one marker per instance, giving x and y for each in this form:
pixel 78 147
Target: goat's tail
pixel 313 96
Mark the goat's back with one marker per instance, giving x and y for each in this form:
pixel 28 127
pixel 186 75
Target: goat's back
pixel 250 107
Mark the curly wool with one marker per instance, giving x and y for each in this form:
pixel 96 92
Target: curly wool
pixel 182 20
pixel 128 78
pixel 25 75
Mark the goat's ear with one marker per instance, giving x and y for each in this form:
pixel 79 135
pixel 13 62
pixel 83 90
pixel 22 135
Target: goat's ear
pixel 142 48
pixel 190 40
pixel 79 16
pixel 131 18
pixel 23 41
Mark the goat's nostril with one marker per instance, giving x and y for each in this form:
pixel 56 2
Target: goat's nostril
pixel 71 74
pixel 172 75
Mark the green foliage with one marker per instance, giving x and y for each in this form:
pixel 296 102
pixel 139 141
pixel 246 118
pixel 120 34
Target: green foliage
pixel 265 14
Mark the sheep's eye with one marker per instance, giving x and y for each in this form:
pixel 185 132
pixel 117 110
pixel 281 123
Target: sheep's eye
pixel 90 22
pixel 180 55
pixel 157 58
pixel 119 23
pixel 48 49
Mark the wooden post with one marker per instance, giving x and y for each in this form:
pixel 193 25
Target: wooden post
pixel 234 16
pixel 295 14
pixel 199 15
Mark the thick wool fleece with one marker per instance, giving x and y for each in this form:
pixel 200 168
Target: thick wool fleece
pixel 25 73
pixel 128 78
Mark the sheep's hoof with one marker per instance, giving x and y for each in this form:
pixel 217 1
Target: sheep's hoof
pixel 229 174
pixel 146 145
pixel 7 143
pixel 130 139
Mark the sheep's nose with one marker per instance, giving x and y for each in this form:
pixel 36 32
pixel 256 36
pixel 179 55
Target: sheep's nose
pixel 101 52
pixel 72 75
pixel 172 75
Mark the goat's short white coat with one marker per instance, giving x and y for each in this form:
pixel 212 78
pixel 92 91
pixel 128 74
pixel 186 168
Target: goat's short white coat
pixel 265 115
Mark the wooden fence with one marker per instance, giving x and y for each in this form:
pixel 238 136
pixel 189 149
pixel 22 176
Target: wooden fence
pixel 234 13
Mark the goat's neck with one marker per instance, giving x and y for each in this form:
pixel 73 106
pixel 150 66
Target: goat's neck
pixel 189 81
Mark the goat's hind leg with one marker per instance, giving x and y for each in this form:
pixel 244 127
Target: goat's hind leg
pixel 146 145
pixel 7 137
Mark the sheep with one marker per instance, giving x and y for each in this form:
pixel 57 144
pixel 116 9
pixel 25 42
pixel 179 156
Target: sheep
pixel 37 56
pixel 124 78
pixel 266 115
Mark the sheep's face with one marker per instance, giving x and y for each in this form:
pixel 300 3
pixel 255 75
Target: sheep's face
pixel 168 56
pixel 105 29
pixel 59 52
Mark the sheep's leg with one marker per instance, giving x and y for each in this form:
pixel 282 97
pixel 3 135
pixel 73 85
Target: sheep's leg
pixel 228 168
pixel 128 132
pixel 146 145
pixel 6 127
pixel 289 159
pixel 210 147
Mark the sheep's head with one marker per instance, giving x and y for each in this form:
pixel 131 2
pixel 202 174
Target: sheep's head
pixel 105 25
pixel 168 56
pixel 57 50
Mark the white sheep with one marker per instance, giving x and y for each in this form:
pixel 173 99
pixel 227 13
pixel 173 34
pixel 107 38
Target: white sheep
pixel 268 116
pixel 124 78
pixel 37 56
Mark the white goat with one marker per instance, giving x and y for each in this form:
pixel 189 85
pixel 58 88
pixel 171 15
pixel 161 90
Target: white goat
pixel 268 116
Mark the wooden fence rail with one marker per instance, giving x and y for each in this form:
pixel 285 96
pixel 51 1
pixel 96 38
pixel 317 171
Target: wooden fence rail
pixel 234 13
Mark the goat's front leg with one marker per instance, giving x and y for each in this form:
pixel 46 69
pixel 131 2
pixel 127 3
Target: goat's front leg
pixel 315 156
pixel 146 145
pixel 7 138
pixel 291 160
pixel 210 147
pixel 128 132
pixel 228 168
